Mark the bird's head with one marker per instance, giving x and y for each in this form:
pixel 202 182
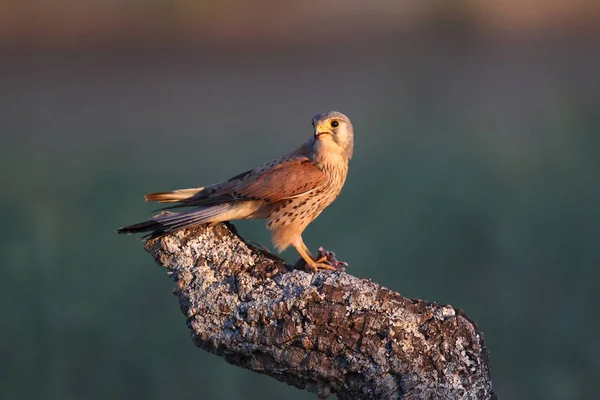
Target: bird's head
pixel 334 132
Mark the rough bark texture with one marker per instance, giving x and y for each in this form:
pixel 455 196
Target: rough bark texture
pixel 327 332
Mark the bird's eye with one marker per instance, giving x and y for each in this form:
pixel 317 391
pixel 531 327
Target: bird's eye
pixel 334 124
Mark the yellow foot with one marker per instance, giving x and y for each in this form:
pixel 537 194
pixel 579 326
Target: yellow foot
pixel 314 266
pixel 329 257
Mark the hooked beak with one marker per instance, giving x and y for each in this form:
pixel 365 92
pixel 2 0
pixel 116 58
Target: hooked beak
pixel 320 130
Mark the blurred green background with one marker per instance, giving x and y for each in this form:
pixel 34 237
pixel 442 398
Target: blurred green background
pixel 474 181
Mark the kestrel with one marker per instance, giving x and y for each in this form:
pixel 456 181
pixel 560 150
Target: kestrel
pixel 289 191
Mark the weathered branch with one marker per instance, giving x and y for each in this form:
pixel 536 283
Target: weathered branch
pixel 325 332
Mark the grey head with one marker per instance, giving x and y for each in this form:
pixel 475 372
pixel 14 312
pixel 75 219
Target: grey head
pixel 336 127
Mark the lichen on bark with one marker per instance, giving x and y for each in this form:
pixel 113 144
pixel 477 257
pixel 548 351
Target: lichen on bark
pixel 326 332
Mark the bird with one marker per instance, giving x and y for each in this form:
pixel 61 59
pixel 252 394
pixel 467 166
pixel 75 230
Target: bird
pixel 289 192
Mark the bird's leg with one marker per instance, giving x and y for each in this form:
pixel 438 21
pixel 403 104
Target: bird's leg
pixel 309 259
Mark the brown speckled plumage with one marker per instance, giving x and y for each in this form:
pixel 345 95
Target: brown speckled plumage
pixel 289 191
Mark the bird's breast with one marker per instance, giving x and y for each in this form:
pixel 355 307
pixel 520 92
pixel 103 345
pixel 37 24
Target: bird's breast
pixel 298 212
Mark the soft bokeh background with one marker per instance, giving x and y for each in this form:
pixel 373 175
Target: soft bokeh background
pixel 475 180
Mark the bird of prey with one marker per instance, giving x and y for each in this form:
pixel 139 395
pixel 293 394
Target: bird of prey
pixel 289 191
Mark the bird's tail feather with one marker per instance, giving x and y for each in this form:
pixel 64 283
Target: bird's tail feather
pixel 174 196
pixel 166 222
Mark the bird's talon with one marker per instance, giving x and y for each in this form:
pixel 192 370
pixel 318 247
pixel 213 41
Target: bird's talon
pixel 331 260
pixel 311 268
pixel 318 266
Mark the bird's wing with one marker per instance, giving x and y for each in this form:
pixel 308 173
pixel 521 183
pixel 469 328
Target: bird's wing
pixel 284 178
pixel 277 180
pixel 203 196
